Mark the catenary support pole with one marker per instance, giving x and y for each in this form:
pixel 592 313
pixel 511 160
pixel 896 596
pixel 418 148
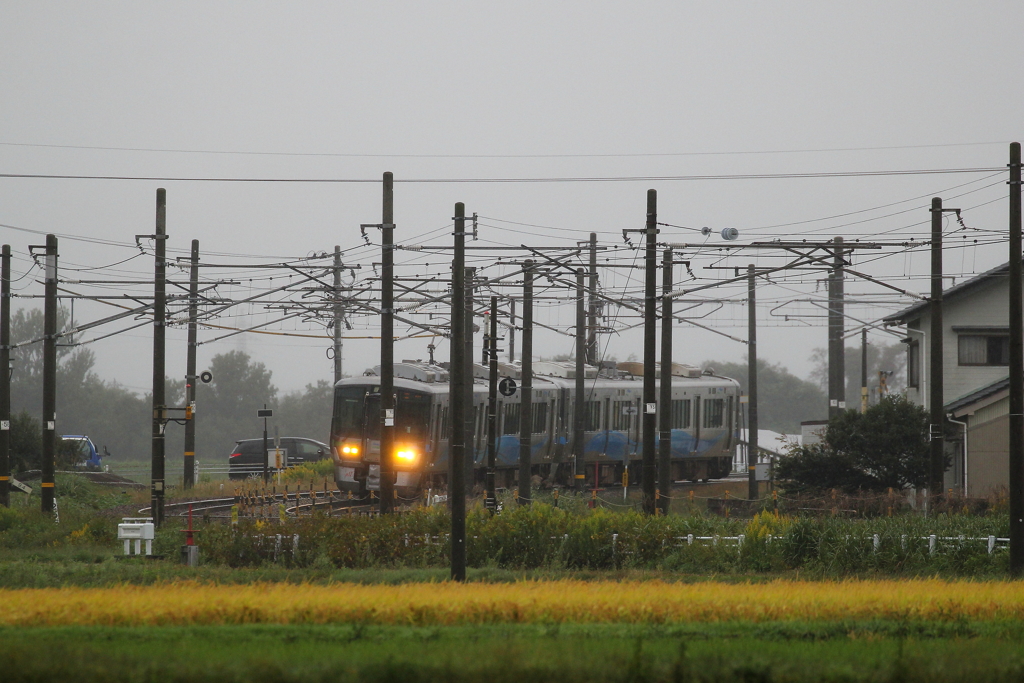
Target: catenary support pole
pixel 456 395
pixel 1016 370
pixel 579 397
pixel 753 447
pixel 864 371
pixel 526 389
pixel 649 415
pixel 159 359
pixel 46 485
pixel 665 401
pixel 592 304
pixel 5 377
pixel 467 358
pixel 492 404
pixel 338 313
pixel 836 325
pixel 190 368
pixel 387 350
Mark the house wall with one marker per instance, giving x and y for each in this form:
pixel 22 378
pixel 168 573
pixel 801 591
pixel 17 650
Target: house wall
pixel 987 305
pixel 988 450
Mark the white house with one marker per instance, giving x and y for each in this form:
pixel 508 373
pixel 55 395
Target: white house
pixel 975 372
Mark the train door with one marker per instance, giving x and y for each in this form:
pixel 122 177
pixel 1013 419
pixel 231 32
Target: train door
pixel 696 423
pixel 729 425
pixel 607 423
pixel 636 421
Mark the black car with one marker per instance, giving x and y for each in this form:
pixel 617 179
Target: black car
pixel 246 460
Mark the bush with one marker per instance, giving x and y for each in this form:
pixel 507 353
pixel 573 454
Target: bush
pixel 308 471
pixel 885 447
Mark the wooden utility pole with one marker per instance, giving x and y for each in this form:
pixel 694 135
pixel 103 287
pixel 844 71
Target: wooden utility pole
pixel 387 350
pixel 159 359
pixel 665 412
pixel 190 369
pixel 5 377
pixel 650 407
pixel 526 390
pixel 1016 371
pixel 456 399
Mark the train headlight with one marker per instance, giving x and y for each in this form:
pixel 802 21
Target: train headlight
pixel 349 451
pixel 407 455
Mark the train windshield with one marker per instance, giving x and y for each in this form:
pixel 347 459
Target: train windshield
pixel 357 413
pixel 413 415
pixel 348 411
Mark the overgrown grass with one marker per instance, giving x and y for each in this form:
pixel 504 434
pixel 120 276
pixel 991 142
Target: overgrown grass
pixel 541 536
pixel 569 538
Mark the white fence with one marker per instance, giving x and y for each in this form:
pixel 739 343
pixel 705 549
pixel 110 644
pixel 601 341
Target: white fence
pixel 992 543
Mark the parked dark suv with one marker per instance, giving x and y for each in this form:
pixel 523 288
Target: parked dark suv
pixel 246 459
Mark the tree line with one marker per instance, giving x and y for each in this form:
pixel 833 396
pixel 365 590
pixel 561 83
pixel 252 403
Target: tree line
pixel 119 421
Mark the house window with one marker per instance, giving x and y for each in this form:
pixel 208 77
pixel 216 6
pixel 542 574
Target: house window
pixel 983 349
pixel 914 364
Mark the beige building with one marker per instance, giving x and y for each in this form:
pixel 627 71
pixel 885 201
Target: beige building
pixel 975 369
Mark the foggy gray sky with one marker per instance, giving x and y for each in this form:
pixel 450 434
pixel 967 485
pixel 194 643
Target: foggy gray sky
pixel 481 90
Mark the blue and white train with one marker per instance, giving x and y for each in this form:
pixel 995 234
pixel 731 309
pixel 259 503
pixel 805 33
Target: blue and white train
pixel 704 409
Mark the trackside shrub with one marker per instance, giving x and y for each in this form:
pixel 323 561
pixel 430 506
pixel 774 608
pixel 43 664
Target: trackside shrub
pixel 541 536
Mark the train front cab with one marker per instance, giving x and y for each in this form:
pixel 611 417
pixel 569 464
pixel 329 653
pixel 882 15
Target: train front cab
pixel 355 438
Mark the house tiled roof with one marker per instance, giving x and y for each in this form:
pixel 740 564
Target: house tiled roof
pixel 977 395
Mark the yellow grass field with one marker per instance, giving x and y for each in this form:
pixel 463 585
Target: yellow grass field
pixel 545 602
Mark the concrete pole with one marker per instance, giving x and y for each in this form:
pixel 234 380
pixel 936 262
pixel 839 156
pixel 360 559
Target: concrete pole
pixel 457 398
pixel 650 416
pixel 387 349
pixel 159 359
pixel 665 401
pixel 1016 370
pixel 526 390
pixel 5 377
pixel 190 368
pixel 753 448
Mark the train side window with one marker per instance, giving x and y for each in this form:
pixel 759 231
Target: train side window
pixel 540 418
pixel 511 422
pixel 621 411
pixel 714 413
pixel 681 414
pixel 445 426
pixel 592 416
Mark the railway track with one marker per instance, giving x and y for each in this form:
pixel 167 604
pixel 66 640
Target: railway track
pixel 258 504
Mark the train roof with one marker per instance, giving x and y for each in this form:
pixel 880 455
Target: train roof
pixel 434 379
